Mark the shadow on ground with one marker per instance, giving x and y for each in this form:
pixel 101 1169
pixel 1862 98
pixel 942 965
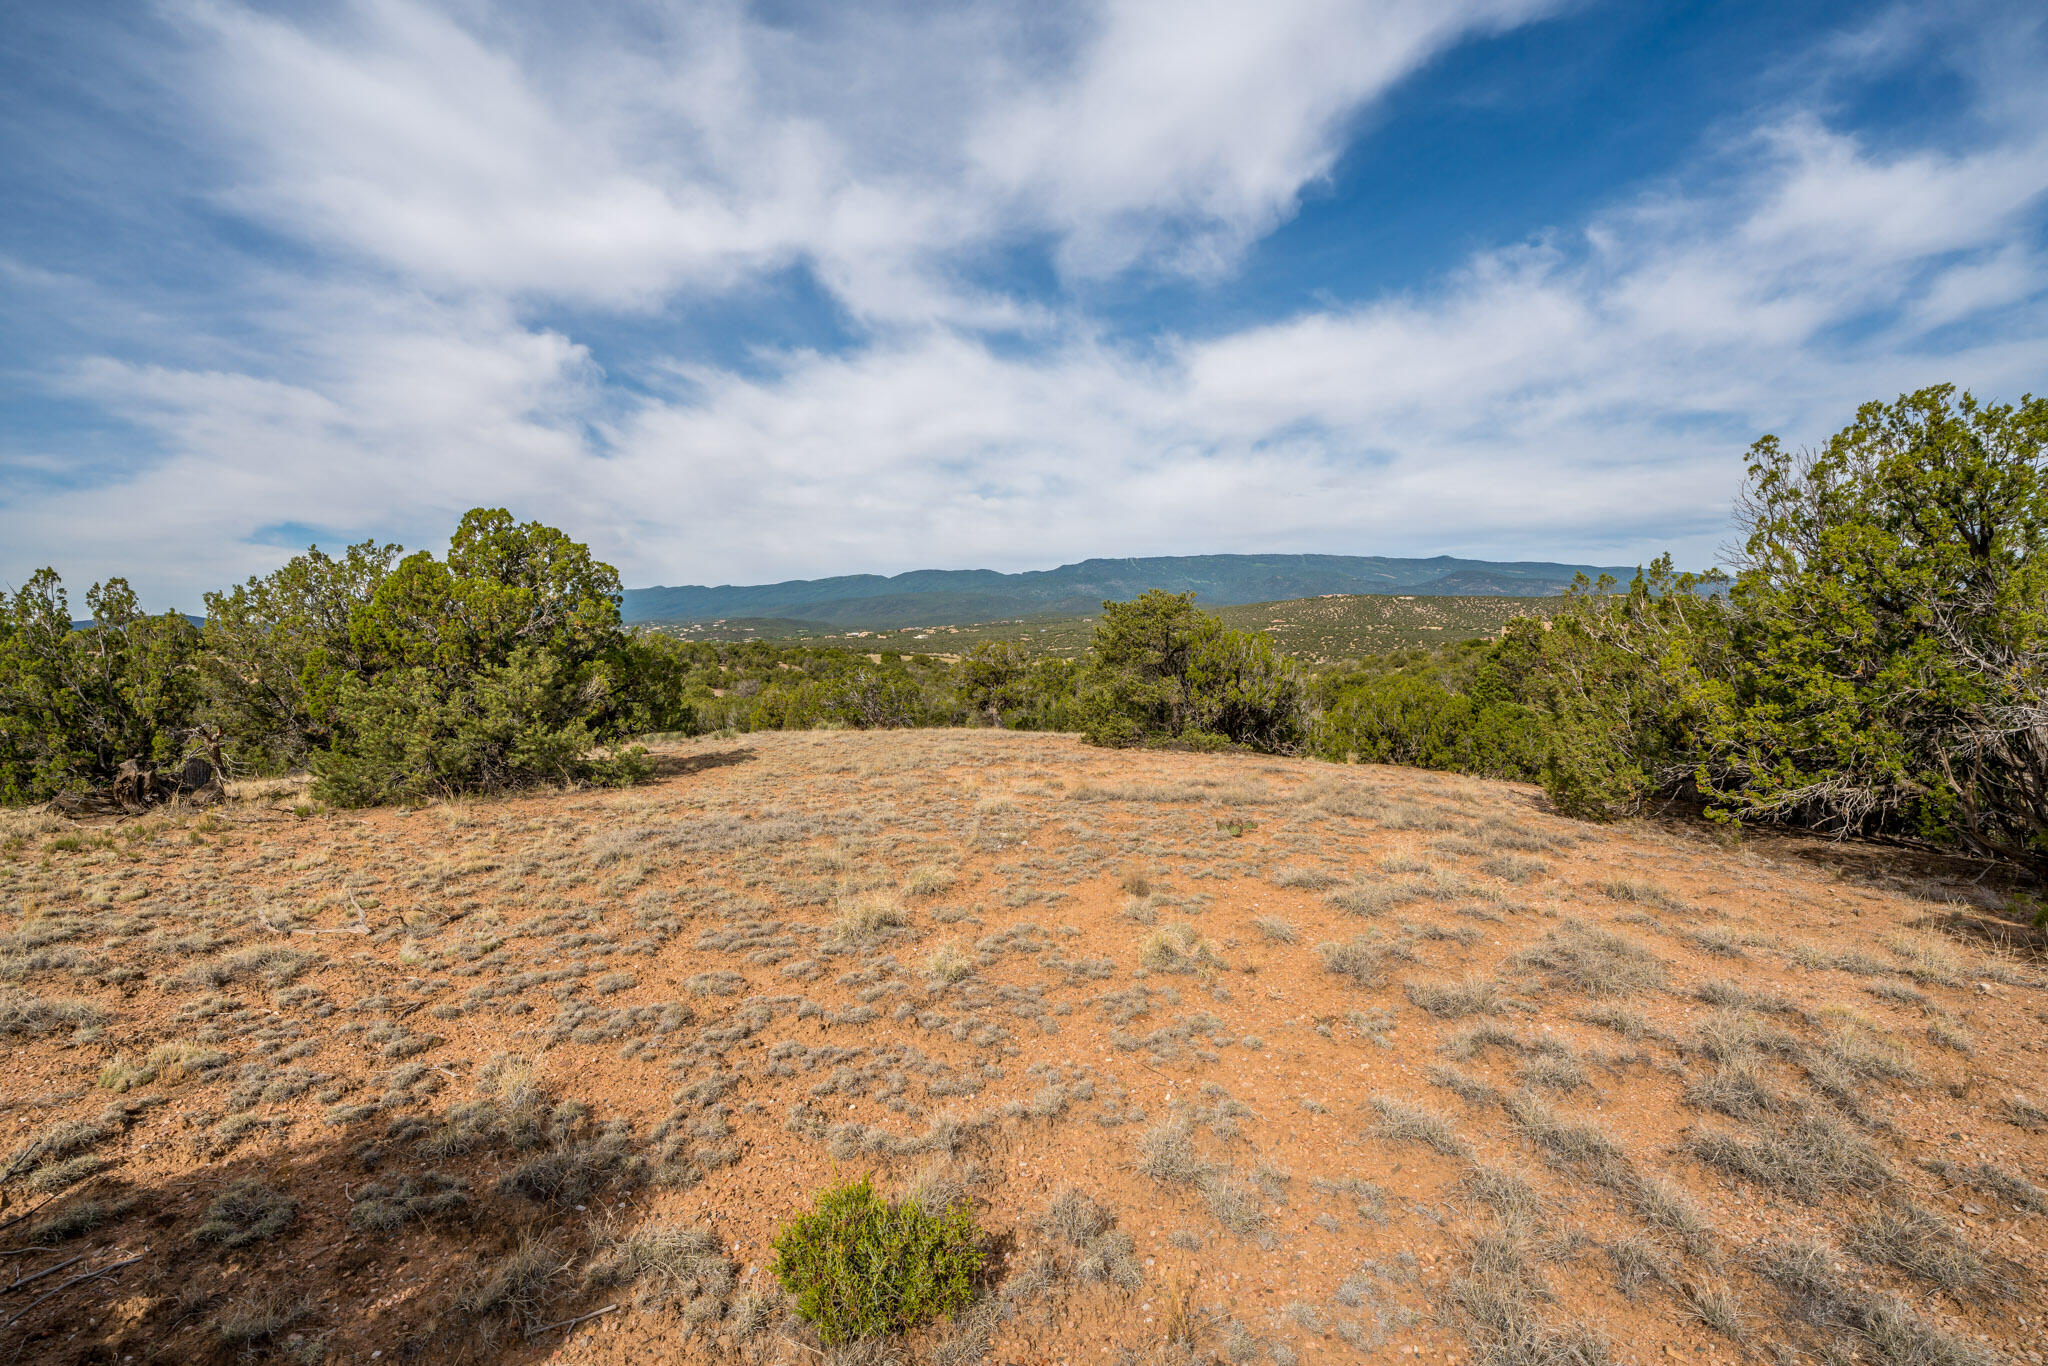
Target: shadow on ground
pixel 681 765
pixel 287 1264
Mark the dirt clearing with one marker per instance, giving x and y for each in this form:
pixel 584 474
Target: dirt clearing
pixel 1237 1059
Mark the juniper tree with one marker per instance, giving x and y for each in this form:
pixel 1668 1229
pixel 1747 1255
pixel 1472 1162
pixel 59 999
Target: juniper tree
pixel 76 703
pixel 1892 622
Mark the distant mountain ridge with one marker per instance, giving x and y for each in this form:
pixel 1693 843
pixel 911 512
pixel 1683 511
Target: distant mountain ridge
pixel 942 597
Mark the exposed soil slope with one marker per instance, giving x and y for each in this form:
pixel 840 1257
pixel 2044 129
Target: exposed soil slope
pixel 1238 1059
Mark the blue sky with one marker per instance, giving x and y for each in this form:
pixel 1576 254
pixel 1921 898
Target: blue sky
pixel 749 292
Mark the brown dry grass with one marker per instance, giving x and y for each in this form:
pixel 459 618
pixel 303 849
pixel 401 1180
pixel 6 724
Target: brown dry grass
pixel 435 1083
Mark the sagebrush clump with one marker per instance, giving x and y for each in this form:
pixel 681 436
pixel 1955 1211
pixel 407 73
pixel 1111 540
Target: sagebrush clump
pixel 861 1266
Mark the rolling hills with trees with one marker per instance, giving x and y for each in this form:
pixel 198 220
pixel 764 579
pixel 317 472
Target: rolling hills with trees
pixel 956 596
pixel 1877 664
pixel 1320 630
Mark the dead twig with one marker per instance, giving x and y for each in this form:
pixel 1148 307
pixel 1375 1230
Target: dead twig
pixel 799 1342
pixel 570 1323
pixel 362 925
pixel 6 1224
pixel 75 1280
pixel 21 1281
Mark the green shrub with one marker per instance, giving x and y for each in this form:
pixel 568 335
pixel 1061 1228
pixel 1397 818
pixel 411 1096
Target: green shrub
pixel 874 699
pixel 1195 742
pixel 1419 722
pixel 277 647
pixel 1159 668
pixel 861 1266
pixel 501 667
pixel 1892 622
pixel 76 703
pixel 1623 683
pixel 408 735
pixel 994 679
pixel 1590 772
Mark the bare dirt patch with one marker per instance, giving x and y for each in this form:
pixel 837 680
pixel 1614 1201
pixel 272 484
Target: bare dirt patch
pixel 1237 1058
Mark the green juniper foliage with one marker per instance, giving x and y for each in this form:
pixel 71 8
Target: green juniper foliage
pixel 1161 670
pixel 1892 619
pixel 392 680
pixel 497 667
pixel 1617 680
pixel 994 680
pixel 1879 664
pixel 76 704
pixel 861 1266
pixel 1445 709
pixel 278 647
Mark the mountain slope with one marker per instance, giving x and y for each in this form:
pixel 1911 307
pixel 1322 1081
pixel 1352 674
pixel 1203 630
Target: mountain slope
pixel 956 596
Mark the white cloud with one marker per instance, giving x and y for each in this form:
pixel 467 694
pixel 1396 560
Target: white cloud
pixel 1207 116
pixel 1576 398
pixel 1586 395
pixel 410 140
pixel 705 146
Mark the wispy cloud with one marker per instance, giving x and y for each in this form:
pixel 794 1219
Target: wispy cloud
pixel 459 179
pixel 689 148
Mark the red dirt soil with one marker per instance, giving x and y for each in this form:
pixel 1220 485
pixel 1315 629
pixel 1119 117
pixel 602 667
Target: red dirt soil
pixel 1007 965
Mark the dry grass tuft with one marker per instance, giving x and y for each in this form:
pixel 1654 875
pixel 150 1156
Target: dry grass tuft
pixel 24 1016
pixel 664 1263
pixel 256 1319
pixel 1598 962
pixel 1503 1192
pixel 949 962
pixel 1179 948
pixel 930 880
pixel 865 921
pixel 1167 1154
pixel 517 1288
pixel 1812 1156
pixel 1636 892
pixel 1368 899
pixel 1499 1300
pixel 1456 1000
pixel 1101 1253
pixel 1854 1323
pixel 1362 958
pixel 246 1212
pixel 1304 879
pixel 1908 1237
pixel 1275 930
pixel 1994 1181
pixel 1400 1122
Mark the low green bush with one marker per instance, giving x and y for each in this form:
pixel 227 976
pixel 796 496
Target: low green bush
pixel 1402 719
pixel 408 735
pixel 861 1266
pixel 1160 670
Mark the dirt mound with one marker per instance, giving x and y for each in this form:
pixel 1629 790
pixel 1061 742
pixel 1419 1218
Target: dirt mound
pixel 1237 1059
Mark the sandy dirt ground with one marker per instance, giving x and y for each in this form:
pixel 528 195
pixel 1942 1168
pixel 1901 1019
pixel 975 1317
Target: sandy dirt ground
pixel 1237 1059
